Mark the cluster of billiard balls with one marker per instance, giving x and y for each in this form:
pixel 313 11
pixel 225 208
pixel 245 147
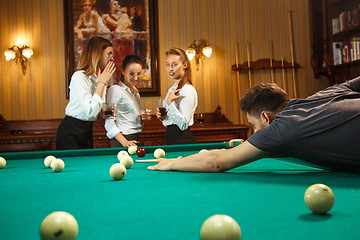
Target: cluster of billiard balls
pixel 118 170
pixel 319 198
pixel 56 164
pixel 141 152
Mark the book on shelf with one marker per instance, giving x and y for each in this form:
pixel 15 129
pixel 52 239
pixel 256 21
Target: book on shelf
pixel 335 25
pixel 337 52
pixel 345 52
pixel 346 19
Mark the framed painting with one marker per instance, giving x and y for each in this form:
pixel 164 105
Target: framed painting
pixel 131 26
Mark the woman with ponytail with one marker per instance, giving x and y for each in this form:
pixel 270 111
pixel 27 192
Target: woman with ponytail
pixel 180 101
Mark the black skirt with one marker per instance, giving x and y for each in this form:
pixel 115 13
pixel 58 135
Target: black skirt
pixel 73 133
pixel 174 135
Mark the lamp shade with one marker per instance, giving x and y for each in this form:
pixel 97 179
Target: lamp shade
pixel 207 51
pixel 27 52
pixel 20 43
pixel 190 52
pixel 9 54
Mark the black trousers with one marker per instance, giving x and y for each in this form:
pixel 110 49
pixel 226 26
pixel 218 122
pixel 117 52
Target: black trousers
pixel 174 135
pixel 73 133
pixel 115 143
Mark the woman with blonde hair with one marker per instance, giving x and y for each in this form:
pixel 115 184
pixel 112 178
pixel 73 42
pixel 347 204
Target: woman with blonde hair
pixel 87 95
pixel 180 101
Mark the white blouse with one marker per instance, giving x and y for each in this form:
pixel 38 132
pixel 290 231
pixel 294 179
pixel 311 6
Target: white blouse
pixel 127 118
pixel 84 104
pixel 181 111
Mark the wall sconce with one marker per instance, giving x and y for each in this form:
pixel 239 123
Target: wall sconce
pixel 199 49
pixel 19 52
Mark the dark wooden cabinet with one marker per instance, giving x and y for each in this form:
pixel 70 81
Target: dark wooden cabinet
pixel 40 135
pixel 335 39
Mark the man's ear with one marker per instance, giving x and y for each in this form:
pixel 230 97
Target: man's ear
pixel 267 117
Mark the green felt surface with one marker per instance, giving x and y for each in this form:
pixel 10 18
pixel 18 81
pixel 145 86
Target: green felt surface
pixel 264 197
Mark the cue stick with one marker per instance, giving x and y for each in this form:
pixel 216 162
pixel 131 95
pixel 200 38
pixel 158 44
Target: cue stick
pixel 271 60
pixel 154 160
pixel 146 160
pixel 238 75
pixel 283 74
pixel 292 53
pixel 248 62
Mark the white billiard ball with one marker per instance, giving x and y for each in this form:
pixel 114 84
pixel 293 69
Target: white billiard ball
pixel 319 198
pixel 48 160
pixel 117 171
pixel 2 162
pixel 220 226
pixel 159 153
pixel 59 226
pixel 127 161
pixel 121 154
pixel 203 150
pixel 57 165
pixel 132 150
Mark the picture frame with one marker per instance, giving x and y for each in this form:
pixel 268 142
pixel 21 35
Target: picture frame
pixel 132 29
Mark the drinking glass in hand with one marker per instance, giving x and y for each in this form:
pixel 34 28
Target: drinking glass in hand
pixel 163 112
pixel 107 111
pixel 146 114
pixel 162 109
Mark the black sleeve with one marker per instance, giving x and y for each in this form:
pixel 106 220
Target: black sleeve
pixel 269 139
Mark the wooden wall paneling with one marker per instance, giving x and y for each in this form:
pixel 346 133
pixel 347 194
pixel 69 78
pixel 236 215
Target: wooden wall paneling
pixel 41 93
pixel 229 34
pixel 210 80
pixel 40 25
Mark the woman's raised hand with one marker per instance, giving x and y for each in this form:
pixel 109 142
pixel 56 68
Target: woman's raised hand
pixel 173 95
pixel 109 70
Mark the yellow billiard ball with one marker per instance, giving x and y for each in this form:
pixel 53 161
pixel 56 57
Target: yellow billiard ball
pixel 117 171
pixel 57 165
pixel 159 153
pixel 220 226
pixel 121 154
pixel 59 226
pixel 127 161
pixel 319 198
pixel 2 162
pixel 48 160
pixel 132 150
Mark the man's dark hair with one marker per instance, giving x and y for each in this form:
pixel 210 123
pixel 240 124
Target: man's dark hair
pixel 264 97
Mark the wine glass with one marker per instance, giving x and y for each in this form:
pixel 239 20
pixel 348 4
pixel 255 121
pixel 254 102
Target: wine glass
pixel 162 109
pixel 146 114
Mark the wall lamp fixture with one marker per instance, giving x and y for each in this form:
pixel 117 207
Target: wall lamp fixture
pixel 199 49
pixel 20 53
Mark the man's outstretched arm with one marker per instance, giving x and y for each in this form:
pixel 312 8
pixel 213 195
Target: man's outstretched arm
pixel 213 161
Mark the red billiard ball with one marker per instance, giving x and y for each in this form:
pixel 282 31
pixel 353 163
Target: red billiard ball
pixel 141 152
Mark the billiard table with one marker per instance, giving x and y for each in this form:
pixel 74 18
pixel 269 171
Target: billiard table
pixel 265 197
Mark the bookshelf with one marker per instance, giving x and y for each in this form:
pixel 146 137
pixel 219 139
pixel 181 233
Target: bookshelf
pixel 335 39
